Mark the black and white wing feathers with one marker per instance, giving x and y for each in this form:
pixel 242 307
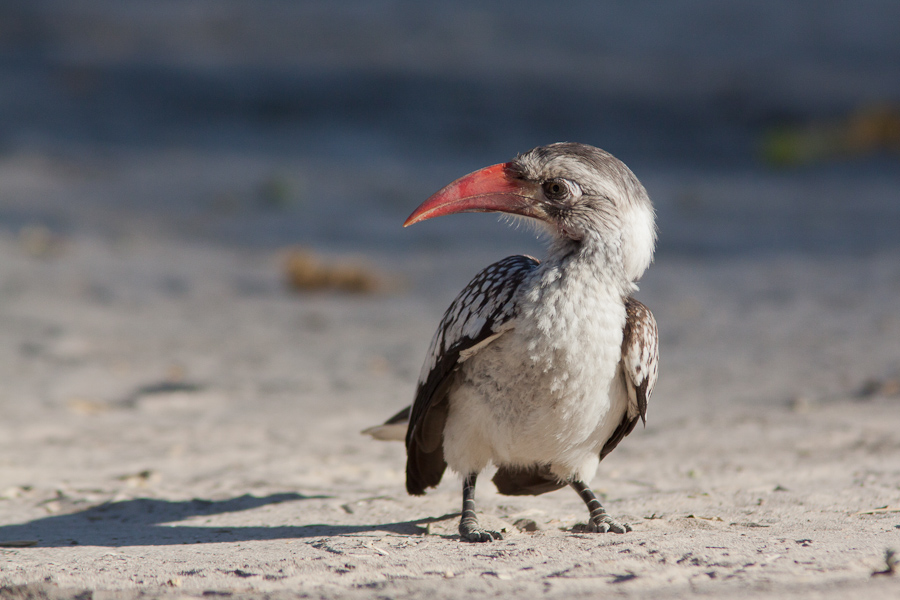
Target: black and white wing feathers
pixel 640 366
pixel 483 311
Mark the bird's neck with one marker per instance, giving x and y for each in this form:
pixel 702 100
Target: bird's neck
pixel 589 262
pixel 574 308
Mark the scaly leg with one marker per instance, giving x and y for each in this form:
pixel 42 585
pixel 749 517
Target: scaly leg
pixel 600 521
pixel 469 529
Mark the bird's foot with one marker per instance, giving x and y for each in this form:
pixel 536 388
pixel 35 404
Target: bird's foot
pixel 600 521
pixel 603 523
pixel 473 532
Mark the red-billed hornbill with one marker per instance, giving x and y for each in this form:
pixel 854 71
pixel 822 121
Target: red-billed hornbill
pixel 539 367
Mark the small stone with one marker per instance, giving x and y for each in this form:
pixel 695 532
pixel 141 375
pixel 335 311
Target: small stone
pixel 526 525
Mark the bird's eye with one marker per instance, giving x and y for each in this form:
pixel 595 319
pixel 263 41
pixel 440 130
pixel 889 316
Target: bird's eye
pixel 556 189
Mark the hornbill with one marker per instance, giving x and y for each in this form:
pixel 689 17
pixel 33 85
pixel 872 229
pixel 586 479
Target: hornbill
pixel 539 367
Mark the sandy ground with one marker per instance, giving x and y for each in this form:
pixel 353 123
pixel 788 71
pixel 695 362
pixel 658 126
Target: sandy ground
pixel 176 422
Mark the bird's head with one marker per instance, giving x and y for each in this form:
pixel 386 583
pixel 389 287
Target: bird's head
pixel 582 194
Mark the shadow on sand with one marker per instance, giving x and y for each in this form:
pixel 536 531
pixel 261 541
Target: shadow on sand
pixel 145 522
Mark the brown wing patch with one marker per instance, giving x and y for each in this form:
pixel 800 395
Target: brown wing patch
pixel 624 428
pixel 425 464
pixel 640 356
pixel 639 368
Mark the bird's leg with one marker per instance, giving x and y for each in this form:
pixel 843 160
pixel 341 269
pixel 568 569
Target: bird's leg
pixel 469 529
pixel 600 521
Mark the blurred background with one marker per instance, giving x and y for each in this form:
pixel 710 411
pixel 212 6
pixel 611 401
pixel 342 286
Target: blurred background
pixel 757 127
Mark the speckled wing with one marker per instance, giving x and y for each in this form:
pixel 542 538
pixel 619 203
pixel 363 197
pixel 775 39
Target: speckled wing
pixel 640 365
pixel 483 311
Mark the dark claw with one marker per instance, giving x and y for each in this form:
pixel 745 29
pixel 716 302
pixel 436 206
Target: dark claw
pixel 605 523
pixel 478 535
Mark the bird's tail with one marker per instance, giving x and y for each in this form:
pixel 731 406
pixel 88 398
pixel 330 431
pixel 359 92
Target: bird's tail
pixel 392 430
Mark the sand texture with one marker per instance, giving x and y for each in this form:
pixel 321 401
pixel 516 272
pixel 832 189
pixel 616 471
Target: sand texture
pixel 176 421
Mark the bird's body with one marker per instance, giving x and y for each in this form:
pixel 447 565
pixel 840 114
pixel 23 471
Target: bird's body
pixel 530 396
pixel 540 367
